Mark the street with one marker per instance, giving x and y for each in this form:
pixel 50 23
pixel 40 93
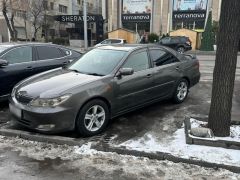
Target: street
pixel 21 159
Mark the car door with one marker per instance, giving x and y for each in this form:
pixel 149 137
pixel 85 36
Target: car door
pixel 49 57
pixel 167 70
pixel 133 90
pixel 20 67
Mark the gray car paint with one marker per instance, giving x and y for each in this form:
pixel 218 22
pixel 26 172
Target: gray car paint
pixel 122 94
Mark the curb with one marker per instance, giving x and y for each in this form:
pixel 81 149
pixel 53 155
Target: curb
pixel 41 138
pixel 167 156
pixel 204 53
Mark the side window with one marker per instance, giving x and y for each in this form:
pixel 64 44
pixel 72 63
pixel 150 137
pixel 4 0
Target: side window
pixel 174 40
pixel 166 40
pixel 19 55
pixel 138 61
pixel 66 52
pixel 115 41
pixel 160 57
pixel 46 52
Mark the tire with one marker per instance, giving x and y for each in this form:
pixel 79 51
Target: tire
pixel 181 91
pixel 93 118
pixel 181 50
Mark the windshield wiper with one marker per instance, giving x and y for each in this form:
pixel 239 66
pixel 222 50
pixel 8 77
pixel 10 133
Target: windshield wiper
pixel 95 74
pixel 74 70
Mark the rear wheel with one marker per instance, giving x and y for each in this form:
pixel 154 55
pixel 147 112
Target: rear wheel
pixel 181 49
pixel 181 91
pixel 93 118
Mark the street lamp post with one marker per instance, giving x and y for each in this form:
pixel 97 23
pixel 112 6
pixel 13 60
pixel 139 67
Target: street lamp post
pixel 85 24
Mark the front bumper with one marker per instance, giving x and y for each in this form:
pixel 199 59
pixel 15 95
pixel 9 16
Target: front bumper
pixel 43 119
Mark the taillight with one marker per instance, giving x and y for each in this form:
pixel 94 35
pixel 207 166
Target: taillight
pixel 189 42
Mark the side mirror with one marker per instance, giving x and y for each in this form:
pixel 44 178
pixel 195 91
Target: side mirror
pixel 3 63
pixel 125 72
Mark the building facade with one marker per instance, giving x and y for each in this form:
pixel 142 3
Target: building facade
pixel 159 16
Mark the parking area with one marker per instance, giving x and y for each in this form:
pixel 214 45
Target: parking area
pixel 161 119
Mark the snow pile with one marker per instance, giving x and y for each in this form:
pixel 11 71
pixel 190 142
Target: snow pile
pixel 85 149
pixel 176 145
pixel 234 131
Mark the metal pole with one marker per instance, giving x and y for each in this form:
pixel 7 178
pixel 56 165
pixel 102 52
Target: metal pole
pixel 85 24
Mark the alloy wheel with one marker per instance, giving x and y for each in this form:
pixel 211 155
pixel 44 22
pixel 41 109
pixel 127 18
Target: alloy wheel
pixel 94 118
pixel 182 90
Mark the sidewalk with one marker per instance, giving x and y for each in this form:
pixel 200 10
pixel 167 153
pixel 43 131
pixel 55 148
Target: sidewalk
pixel 208 53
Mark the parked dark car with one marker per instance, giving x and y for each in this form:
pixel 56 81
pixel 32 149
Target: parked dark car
pixel 104 83
pixel 19 61
pixel 178 43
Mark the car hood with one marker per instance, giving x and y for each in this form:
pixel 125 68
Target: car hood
pixel 54 83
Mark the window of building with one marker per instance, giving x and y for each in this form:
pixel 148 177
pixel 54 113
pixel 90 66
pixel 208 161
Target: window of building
pixel 45 5
pixel 20 13
pixel 52 5
pixel 62 9
pixel 79 2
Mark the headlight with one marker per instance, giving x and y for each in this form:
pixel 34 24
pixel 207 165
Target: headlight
pixel 13 91
pixel 49 102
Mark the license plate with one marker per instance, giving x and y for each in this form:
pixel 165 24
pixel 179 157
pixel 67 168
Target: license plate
pixel 15 111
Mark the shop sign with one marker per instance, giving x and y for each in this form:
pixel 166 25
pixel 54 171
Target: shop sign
pixel 189 15
pixel 136 17
pixel 78 18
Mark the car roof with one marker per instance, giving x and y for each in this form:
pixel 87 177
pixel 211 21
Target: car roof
pixel 114 39
pixel 130 47
pixel 12 44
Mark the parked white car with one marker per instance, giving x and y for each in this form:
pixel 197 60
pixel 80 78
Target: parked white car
pixel 112 41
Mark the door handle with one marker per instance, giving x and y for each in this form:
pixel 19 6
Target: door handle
pixel 149 75
pixel 64 63
pixel 29 68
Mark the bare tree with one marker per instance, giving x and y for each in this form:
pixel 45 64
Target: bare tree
pixel 225 68
pixel 8 11
pixel 36 10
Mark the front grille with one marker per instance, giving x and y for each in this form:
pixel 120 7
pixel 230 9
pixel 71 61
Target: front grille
pixel 23 98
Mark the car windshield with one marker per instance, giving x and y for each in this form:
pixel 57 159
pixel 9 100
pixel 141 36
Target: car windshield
pixel 98 62
pixel 2 49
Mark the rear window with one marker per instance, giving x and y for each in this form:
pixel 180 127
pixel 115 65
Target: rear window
pixel 47 52
pixel 183 39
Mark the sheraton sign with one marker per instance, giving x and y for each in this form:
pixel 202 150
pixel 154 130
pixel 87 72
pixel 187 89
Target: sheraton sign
pixel 78 18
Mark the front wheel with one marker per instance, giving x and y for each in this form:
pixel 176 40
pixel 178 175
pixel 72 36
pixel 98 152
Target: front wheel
pixel 181 50
pixel 181 91
pixel 93 118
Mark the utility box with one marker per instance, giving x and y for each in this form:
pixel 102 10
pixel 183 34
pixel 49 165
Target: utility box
pixel 121 33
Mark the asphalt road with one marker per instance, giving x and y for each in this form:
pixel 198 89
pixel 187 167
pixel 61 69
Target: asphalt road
pixel 207 63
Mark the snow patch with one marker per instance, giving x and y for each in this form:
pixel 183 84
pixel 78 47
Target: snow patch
pixel 176 145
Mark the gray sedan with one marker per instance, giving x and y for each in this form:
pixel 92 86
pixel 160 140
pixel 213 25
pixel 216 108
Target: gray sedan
pixel 104 83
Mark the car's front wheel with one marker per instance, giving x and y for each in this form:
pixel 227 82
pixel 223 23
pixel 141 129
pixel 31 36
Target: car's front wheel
pixel 93 118
pixel 181 49
pixel 181 91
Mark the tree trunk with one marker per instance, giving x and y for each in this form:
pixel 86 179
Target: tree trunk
pixel 13 27
pixel 225 68
pixel 4 11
